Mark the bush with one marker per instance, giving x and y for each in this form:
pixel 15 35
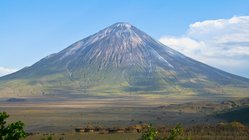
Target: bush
pixel 175 133
pixel 13 131
pixel 236 125
pixel 48 138
pixel 150 133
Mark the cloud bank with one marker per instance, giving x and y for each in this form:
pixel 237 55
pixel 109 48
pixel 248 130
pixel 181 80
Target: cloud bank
pixel 5 71
pixel 222 43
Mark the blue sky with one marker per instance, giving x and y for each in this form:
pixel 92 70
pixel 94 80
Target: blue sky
pixel 33 29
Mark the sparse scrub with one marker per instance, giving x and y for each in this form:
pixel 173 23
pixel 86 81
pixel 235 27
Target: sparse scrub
pixel 175 133
pixel 48 138
pixel 150 133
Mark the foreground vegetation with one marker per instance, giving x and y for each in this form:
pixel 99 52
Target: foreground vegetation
pixel 175 133
pixel 12 131
pixel 220 131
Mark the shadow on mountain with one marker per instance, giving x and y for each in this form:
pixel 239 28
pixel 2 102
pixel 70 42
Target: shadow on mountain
pixel 241 115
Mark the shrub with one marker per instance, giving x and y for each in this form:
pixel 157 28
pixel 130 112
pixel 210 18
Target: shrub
pixel 150 133
pixel 175 133
pixel 13 131
pixel 236 125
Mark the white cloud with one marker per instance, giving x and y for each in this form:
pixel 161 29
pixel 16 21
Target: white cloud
pixel 234 29
pixel 184 44
pixel 223 43
pixel 5 71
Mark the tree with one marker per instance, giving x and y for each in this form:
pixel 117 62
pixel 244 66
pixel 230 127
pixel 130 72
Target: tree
pixel 13 131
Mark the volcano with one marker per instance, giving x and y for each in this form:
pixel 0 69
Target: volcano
pixel 121 59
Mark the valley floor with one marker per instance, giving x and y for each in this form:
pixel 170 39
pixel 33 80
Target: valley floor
pixel 65 115
pixel 60 117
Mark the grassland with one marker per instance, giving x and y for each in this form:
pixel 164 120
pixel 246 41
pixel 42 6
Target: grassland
pixel 58 116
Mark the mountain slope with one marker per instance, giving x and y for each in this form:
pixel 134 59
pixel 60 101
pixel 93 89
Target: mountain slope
pixel 121 59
